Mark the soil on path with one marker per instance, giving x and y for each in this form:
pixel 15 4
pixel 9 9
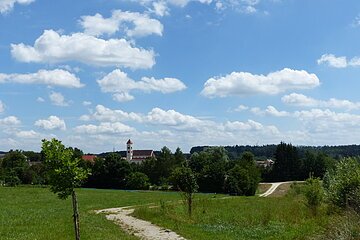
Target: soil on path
pixel 140 228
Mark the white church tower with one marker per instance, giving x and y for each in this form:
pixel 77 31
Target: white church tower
pixel 129 150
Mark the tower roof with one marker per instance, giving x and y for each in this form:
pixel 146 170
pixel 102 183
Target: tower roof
pixel 129 142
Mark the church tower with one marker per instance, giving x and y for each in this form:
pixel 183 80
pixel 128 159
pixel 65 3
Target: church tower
pixel 129 150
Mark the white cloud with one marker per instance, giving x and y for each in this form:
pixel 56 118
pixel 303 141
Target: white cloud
pixel 105 128
pixel 86 103
pixel 338 62
pixel 241 108
pixel 7 5
pixel 52 123
pixel 319 120
pixel 40 99
pixel 119 83
pixel 9 121
pixel 105 114
pixel 244 83
pixel 123 97
pixel 249 125
pixel 333 61
pixel 305 101
pixel 160 8
pixel 56 77
pixel 2 107
pixel 51 47
pixel 142 24
pixel 175 120
pixel 270 111
pixel 58 99
pixel 27 134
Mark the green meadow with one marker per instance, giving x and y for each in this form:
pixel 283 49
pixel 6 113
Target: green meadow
pixel 284 217
pixel 36 213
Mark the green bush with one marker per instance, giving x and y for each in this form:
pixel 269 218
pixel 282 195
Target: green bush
pixel 243 179
pixel 314 194
pixel 343 182
pixel 137 181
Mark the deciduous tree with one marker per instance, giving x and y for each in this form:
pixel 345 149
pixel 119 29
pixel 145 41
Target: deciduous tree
pixel 64 174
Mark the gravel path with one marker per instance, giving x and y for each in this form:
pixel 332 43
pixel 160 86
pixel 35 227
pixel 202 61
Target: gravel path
pixel 146 230
pixel 140 228
pixel 273 187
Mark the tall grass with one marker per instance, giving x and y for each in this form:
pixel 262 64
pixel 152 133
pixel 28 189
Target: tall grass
pixel 243 218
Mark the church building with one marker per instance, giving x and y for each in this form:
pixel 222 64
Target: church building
pixel 137 156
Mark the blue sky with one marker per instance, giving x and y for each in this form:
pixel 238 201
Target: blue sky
pixel 94 73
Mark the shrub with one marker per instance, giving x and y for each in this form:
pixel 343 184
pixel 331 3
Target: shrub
pixel 137 181
pixel 343 182
pixel 243 180
pixel 314 193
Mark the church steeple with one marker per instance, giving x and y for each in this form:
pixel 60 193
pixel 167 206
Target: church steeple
pixel 129 150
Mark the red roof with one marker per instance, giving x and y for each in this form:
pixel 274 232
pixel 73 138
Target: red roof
pixel 89 158
pixel 129 142
pixel 146 153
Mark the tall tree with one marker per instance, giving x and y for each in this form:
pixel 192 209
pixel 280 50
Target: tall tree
pixel 15 166
pixel 110 172
pixel 64 174
pixel 210 168
pixel 287 163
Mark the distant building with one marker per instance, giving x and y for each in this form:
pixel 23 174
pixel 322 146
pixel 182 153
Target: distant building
pixel 89 158
pixel 137 156
pixel 266 163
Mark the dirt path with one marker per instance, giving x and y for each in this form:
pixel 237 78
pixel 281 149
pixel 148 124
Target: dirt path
pixel 146 230
pixel 140 228
pixel 273 187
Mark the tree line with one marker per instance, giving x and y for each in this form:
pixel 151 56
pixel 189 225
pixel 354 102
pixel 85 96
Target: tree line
pixel 215 169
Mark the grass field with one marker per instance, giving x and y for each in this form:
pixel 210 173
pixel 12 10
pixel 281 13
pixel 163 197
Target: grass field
pixel 37 214
pixel 253 218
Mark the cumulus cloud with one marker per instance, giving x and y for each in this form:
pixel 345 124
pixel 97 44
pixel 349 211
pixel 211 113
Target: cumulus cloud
pixel 56 77
pixel 237 125
pixel 162 7
pixel 27 134
pixel 241 108
pixel 120 84
pixel 123 97
pixel 86 103
pixel 338 62
pixel 270 111
pixel 142 24
pixel 2 107
pixel 52 123
pixel 7 5
pixel 176 120
pixel 105 128
pixel 244 83
pixel 319 120
pixel 305 101
pixel 58 99
pixel 9 121
pixel 105 114
pixel 51 47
